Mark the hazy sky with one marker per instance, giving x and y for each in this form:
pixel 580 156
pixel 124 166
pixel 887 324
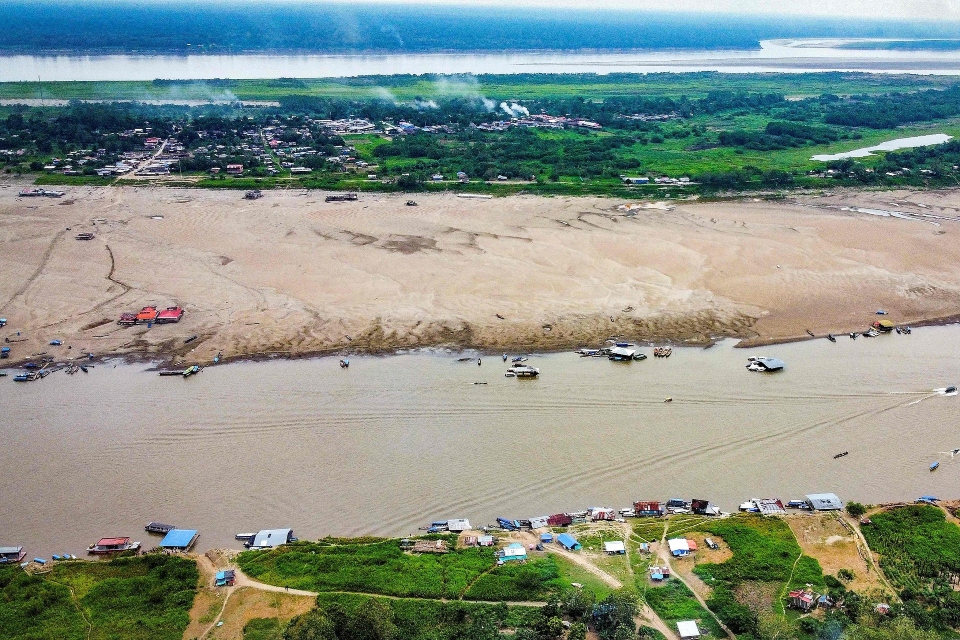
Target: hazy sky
pixel 939 10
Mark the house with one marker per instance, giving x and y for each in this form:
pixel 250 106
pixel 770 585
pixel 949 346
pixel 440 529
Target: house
pixel 458 524
pixel 825 602
pixel 234 169
pixel 679 547
pixel 226 578
pixel 430 546
pixel 688 629
pixel 646 508
pixel 300 170
pixel 485 541
pixel 644 547
pixel 568 542
pixel 656 574
pixel 824 502
pixel 614 547
pixel 436 177
pixel 602 513
pixel 512 553
pixel 179 539
pixel 703 507
pixel 539 522
pixel 637 180
pixel 546 537
pixel 462 177
pixel 470 541
pixel 559 520
pixel 269 538
pixel 802 599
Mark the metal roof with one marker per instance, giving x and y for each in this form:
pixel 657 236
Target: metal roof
pixel 271 538
pixel 678 544
pixel 178 539
pixel 10 550
pixel 458 524
pixel 688 629
pixel 824 501
pixel 567 540
pixel 771 364
pixel 614 546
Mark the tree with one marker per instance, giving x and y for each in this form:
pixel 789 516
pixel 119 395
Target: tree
pixel 856 509
pixel 373 620
pixel 313 625
pixel 578 631
pixel 901 628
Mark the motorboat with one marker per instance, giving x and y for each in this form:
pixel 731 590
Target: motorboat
pixel 950 389
pixel 524 371
pixel 853 335
pixel 934 466
pixel 840 455
pixel 344 363
pixel 831 338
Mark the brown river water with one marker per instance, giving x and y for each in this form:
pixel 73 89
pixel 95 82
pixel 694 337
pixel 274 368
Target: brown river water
pixel 394 442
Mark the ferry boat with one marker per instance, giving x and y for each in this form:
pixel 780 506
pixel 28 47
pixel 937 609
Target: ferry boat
pixel 112 545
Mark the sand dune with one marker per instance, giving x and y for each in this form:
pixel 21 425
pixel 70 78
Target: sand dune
pixel 290 273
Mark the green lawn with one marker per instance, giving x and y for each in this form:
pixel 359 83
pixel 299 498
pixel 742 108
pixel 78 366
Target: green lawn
pixel 674 602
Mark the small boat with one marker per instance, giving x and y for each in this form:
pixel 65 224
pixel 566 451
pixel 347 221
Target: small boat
pixel 950 389
pixel 519 359
pixel 640 356
pixel 411 203
pixel 189 371
pixel 668 400
pixel 810 333
pixel 831 338
pixel 840 455
pixel 871 333
pixel 905 330
pixel 83 368
pixel 245 536
pixel 881 312
pixel 467 359
pixel 22 377
pixel 510 374
pixel 853 335
pixel 190 339
pixel 218 356
pixel 171 372
pixel 344 364
pixel 934 466
pixel 159 527
pixel 56 343
pixel 504 357
pixel 898 330
pixel 526 372
pixel 500 316
pixel 3 374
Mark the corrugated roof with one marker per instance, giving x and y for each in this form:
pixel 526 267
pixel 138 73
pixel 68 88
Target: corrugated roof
pixel 688 629
pixel 824 501
pixel 678 544
pixel 613 546
pixel 271 537
pixel 772 364
pixel 567 540
pixel 178 539
pixel 110 542
pixel 10 550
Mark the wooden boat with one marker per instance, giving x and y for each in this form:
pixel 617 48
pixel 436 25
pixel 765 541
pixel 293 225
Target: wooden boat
pixel 170 372
pixel 159 527
pixel 190 339
pixel 934 466
pixel 346 363
pixel 840 455
pixel 112 545
pixel 831 338
pixel 84 368
pixel 810 333
pixel 189 371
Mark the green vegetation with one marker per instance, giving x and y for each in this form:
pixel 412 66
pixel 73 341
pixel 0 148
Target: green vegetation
pixel 263 629
pixel 145 597
pixel 764 551
pixel 855 509
pixel 674 602
pixel 920 554
pixel 531 581
pixel 379 567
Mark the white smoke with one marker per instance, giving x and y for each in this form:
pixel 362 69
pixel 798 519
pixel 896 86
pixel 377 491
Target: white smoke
pixel 420 104
pixel 463 87
pixel 514 110
pixel 385 95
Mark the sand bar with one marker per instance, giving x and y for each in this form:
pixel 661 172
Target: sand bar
pixel 292 274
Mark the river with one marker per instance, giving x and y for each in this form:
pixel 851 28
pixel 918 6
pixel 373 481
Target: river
pixel 785 56
pixel 394 442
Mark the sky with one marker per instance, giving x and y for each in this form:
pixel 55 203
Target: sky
pixel 899 10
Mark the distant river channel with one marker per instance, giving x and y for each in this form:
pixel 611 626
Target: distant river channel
pixel 788 56
pixel 397 441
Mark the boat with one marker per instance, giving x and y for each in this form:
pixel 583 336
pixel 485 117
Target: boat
pixel 934 466
pixel 56 343
pixel 640 356
pixel 411 203
pixel 518 359
pixel 190 339
pixel 810 333
pixel 840 455
pixel 871 333
pixel 245 536
pixel 189 371
pixel 171 372
pixel 112 545
pixel 344 364
pixel 831 338
pixel 83 368
pixel 853 335
pixel 466 359
pixel 510 374
pixel 765 364
pixel 621 354
pixel 524 371
pixel 662 352
pixel 905 330
pixel 950 389
pixel 22 377
pixel 159 527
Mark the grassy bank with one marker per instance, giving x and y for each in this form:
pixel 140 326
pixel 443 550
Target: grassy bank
pixel 145 597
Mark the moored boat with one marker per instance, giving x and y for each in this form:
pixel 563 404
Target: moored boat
pixel 112 545
pixel 523 371
pixel 831 338
pixel 159 527
pixel 189 371
pixel 934 466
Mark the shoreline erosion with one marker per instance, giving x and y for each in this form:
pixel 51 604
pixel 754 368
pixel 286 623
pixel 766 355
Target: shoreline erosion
pixel 292 276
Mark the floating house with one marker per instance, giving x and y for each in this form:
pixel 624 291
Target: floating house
pixel 159 527
pixel 703 507
pixel 179 539
pixel 647 508
pixel 512 553
pixel 568 542
pixel 824 502
pixel 688 629
pixel 765 506
pixel 614 547
pixel 269 538
pixel 560 520
pixel 546 537
pixel 226 578
pixel 769 364
pixel 11 554
pixel 113 545
pixel 884 325
pixel 458 524
pixel 539 522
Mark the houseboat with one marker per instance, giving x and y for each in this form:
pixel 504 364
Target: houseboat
pixel 12 554
pixel 159 527
pixel 113 545
pixel 169 315
pixel 524 371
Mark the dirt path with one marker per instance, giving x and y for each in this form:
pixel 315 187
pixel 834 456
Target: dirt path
pixel 663 552
pixel 869 556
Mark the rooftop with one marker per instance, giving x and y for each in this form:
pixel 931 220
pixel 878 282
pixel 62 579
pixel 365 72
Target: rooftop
pixel 178 539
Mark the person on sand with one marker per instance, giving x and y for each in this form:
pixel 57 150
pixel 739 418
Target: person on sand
pixel 478 362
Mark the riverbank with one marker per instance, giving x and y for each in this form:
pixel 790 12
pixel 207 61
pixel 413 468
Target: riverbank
pixel 293 275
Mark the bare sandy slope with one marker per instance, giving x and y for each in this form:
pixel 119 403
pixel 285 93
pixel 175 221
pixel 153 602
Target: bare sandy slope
pixel 290 273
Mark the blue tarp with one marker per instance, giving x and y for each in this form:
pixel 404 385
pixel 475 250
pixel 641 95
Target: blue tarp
pixel 546 537
pixel 568 541
pixel 178 539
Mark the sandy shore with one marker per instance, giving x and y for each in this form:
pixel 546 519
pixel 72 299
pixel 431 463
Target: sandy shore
pixel 292 274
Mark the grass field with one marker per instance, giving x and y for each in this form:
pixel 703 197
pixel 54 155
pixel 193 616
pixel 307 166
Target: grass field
pixel 674 602
pixel 146 597
pixel 496 87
